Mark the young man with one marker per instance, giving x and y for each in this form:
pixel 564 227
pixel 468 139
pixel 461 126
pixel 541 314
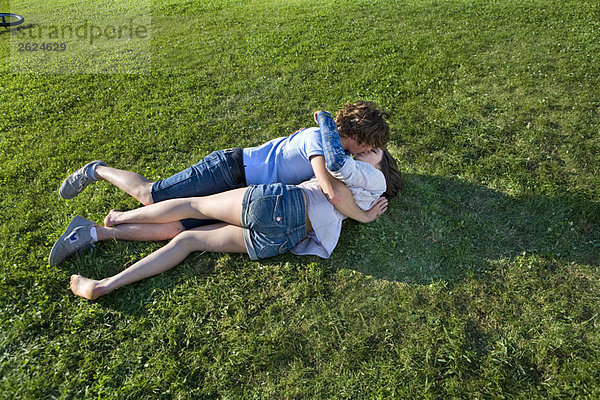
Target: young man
pixel 287 160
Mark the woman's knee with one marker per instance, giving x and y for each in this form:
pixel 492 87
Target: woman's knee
pixel 188 240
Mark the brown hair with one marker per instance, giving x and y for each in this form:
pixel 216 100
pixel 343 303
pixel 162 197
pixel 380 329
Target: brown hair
pixel 393 177
pixel 363 122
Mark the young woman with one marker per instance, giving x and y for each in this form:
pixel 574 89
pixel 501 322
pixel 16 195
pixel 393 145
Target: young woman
pixel 263 220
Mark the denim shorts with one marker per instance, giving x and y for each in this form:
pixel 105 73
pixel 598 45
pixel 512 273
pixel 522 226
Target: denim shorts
pixel 273 218
pixel 218 172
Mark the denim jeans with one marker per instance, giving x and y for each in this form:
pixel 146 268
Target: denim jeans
pixel 218 172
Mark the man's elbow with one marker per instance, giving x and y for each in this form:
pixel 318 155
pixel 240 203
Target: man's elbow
pixel 338 197
pixel 335 198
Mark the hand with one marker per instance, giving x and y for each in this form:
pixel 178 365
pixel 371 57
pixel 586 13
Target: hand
pixel 315 115
pixel 378 208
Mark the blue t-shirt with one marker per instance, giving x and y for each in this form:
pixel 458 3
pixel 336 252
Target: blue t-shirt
pixel 285 159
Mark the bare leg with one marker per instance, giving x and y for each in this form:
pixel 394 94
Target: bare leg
pixel 131 183
pixel 226 206
pixel 214 238
pixel 140 232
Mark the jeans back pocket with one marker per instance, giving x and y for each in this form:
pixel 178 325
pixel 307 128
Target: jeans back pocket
pixel 267 215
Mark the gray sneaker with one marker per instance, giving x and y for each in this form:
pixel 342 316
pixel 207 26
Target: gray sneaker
pixel 77 181
pixel 76 237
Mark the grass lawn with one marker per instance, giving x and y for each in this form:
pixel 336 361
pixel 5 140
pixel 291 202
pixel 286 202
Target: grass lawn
pixel 482 280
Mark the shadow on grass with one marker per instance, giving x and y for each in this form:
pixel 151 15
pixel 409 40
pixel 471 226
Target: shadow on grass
pixel 445 229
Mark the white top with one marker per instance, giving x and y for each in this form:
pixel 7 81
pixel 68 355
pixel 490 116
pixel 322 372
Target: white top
pixel 365 182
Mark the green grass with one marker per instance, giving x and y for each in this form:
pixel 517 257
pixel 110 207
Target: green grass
pixel 481 281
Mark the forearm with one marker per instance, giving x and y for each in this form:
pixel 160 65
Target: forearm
pixel 344 202
pixel 334 153
pixel 336 191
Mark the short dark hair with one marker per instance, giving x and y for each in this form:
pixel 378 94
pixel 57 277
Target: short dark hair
pixel 363 122
pixel 393 177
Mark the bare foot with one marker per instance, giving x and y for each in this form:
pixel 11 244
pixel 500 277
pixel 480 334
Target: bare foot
pixel 84 287
pixel 111 218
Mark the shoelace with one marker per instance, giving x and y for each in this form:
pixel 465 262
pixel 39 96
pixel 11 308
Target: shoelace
pixel 82 180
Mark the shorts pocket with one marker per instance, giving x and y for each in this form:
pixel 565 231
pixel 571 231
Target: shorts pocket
pixel 267 214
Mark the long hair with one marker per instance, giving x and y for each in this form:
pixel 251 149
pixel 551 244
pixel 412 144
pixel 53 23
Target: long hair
pixel 393 177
